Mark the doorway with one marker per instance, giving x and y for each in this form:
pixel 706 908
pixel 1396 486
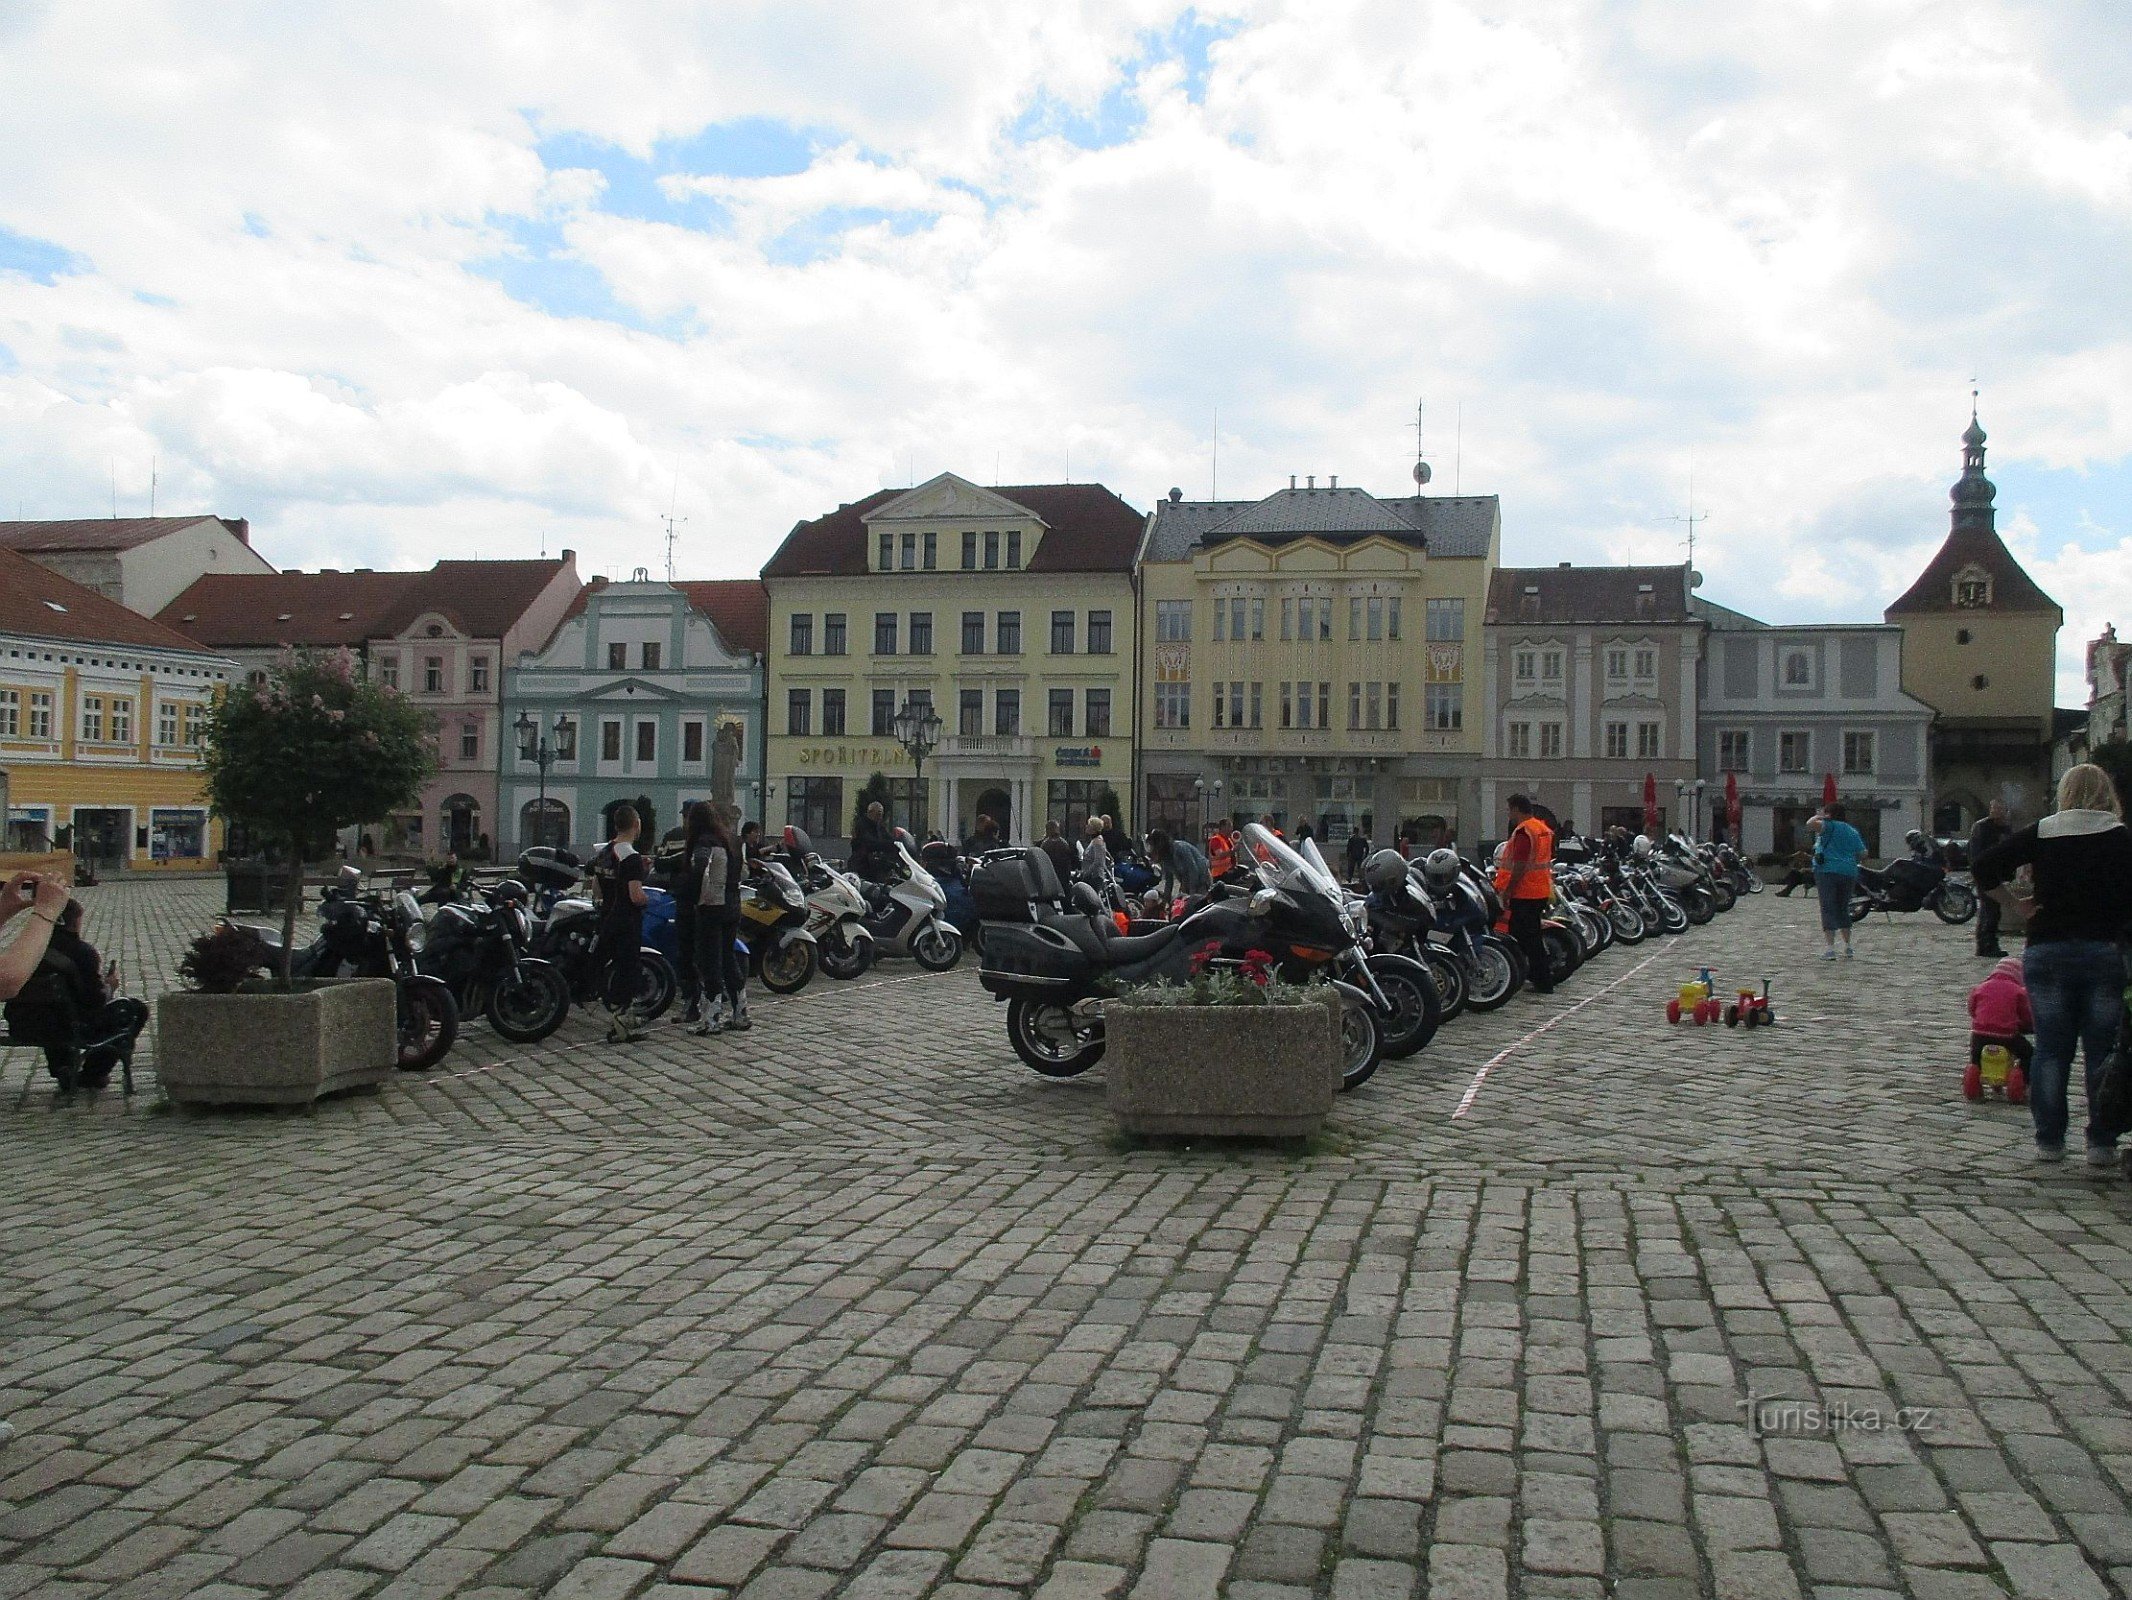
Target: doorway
pixel 103 839
pixel 462 825
pixel 997 804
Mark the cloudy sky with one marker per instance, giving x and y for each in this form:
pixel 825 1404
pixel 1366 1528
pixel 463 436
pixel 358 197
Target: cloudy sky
pixel 396 280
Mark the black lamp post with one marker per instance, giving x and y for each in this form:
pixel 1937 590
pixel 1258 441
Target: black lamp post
pixel 917 727
pixel 534 747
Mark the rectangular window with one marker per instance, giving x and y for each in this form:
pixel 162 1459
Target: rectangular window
pixel 389 671
pixel 1236 705
pixel 1444 707
pixel 1007 633
pixel 1173 620
pixel 1617 741
pixel 885 546
pixel 610 741
pixel 1857 752
pixel 1287 619
pixel 1354 704
pixel 1446 621
pixel 1014 549
pixel 1617 666
pixel 618 658
pixel 1221 619
pixel 816 805
pixel 884 633
pixel 92 718
pixel 799 711
pixel 1551 741
pixel 1303 716
pixel 921 633
pixel 1062 633
pixel 1375 612
pixel 973 633
pixel 647 741
pixel 910 552
pixel 969 550
pixel 1219 717
pixel 1391 617
pixel 1354 617
pixel 1173 705
pixel 1071 801
pixel 470 742
pixel 1646 665
pixel 565 739
pixel 1099 633
pixel 1734 746
pixel 1007 712
pixel 833 713
pixel 40 714
pixel 1258 705
pixel 122 722
pixel 692 742
pixel 833 633
pixel 1236 617
pixel 802 633
pixel 1325 704
pixel 1527 666
pixel 1060 713
pixel 1373 705
pixel 166 718
pixel 1517 739
pixel 991 549
pixel 477 675
pixel 1649 738
pixel 1550 666
pixel 883 725
pixel 971 715
pixel 651 656
pixel 433 674
pixel 932 551
pixel 1258 617
pixel 1795 752
pixel 1098 723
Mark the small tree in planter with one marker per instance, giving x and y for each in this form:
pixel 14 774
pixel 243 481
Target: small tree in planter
pixel 314 749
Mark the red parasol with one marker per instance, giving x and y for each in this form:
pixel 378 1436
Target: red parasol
pixel 1732 805
pixel 1828 789
pixel 1650 803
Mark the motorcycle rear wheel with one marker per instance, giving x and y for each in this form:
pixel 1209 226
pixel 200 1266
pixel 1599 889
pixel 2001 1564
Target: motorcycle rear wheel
pixel 1723 895
pixel 529 1007
pixel 1956 903
pixel 656 984
pixel 428 1022
pixel 1048 1041
pixel 1696 902
pixel 786 968
pixel 937 947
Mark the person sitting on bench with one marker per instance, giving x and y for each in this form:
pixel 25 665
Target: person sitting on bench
pixel 69 1006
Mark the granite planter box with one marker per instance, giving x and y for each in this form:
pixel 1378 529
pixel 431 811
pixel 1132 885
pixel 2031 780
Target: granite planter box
pixel 265 1047
pixel 1267 1072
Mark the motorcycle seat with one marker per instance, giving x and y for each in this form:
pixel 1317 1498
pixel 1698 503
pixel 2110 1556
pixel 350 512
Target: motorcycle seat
pixel 1123 947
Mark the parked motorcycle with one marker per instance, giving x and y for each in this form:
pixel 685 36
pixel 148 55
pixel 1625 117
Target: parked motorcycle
pixel 1465 908
pixel 836 916
pixel 773 924
pixel 479 944
pixel 908 917
pixel 566 931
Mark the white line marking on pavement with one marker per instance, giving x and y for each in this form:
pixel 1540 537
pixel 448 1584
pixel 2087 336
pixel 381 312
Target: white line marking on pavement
pixel 1480 1077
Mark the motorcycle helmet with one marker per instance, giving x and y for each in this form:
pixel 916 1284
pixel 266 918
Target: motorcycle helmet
pixel 1440 869
pixel 1916 841
pixel 796 839
pixel 1641 848
pixel 1385 872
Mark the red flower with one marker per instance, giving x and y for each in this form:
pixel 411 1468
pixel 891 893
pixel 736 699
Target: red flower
pixel 1258 967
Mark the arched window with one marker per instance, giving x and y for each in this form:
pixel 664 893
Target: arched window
pixel 462 825
pixel 543 822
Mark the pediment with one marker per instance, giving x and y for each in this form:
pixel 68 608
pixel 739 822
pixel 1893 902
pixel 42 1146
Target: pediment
pixel 642 691
pixel 1382 555
pixel 951 498
pixel 1242 556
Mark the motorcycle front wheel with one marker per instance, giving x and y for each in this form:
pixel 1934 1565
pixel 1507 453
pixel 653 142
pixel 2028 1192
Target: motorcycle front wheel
pixel 937 947
pixel 1047 1039
pixel 1696 902
pixel 1416 1008
pixel 787 967
pixel 1361 1037
pixel 842 956
pixel 1671 916
pixel 1450 976
pixel 1493 977
pixel 428 1022
pixel 1627 922
pixel 1564 956
pixel 527 1008
pixel 1955 903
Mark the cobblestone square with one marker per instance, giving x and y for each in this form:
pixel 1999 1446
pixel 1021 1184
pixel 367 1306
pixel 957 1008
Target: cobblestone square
pixel 856 1305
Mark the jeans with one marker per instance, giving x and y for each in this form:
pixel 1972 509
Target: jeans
pixel 685 950
pixel 2076 987
pixel 1835 889
pixel 1987 924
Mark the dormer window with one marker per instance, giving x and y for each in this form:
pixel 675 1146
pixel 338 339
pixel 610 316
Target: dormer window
pixel 1972 588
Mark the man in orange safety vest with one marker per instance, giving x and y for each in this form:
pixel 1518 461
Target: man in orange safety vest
pixel 1528 856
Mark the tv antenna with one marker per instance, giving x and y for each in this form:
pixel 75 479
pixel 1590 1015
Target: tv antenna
pixel 1423 472
pixel 671 522
pixel 1691 519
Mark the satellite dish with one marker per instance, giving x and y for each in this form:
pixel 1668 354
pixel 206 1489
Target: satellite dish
pixel 1422 473
pixel 1695 579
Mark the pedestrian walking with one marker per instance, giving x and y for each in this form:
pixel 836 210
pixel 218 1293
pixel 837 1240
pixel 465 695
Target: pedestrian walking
pixel 1990 832
pixel 2081 857
pixel 1838 848
pixel 620 870
pixel 1528 859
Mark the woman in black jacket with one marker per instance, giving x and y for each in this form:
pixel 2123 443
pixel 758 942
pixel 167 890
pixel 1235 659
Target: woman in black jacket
pixel 2081 857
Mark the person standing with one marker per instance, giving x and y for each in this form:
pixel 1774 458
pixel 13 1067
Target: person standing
pixel 1528 858
pixel 620 871
pixel 1095 854
pixel 872 850
pixel 1358 850
pixel 1059 849
pixel 2081 856
pixel 1838 848
pixel 717 857
pixel 1991 831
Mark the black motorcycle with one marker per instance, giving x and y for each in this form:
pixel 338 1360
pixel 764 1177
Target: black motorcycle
pixel 1055 965
pixel 368 936
pixel 566 932
pixel 478 942
pixel 1917 883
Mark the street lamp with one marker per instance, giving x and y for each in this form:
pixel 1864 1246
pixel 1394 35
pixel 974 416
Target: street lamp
pixel 917 729
pixel 533 747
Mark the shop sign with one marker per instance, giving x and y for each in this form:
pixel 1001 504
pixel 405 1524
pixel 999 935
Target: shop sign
pixel 850 755
pixel 1077 755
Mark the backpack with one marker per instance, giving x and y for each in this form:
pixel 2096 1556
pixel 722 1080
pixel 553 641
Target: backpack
pixel 2112 1103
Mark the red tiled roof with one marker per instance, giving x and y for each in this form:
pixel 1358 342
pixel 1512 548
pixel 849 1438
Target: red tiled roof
pixel 739 608
pixel 42 604
pixel 1090 530
pixel 482 599
pixel 2012 589
pixel 1549 596
pixel 261 610
pixel 105 533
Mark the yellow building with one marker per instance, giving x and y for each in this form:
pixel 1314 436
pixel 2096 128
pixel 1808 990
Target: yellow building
pixel 101 713
pixel 1314 655
pixel 1980 646
pixel 1007 611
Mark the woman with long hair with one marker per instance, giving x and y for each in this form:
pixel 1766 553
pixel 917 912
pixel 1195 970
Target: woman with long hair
pixel 2081 856
pixel 715 857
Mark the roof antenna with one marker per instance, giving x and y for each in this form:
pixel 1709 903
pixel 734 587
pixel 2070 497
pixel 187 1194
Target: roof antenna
pixel 1214 472
pixel 1422 471
pixel 1458 450
pixel 151 485
pixel 114 491
pixel 1691 519
pixel 670 520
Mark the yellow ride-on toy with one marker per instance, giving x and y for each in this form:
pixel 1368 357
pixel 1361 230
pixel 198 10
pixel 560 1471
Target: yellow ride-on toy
pixel 1696 1001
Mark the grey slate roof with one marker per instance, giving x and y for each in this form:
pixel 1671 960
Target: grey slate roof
pixel 1452 526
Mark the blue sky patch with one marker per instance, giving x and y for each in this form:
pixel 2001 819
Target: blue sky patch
pixel 753 147
pixel 543 273
pixel 37 259
pixel 821 235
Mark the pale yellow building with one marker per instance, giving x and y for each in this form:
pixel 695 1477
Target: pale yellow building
pixel 1315 655
pixel 1008 610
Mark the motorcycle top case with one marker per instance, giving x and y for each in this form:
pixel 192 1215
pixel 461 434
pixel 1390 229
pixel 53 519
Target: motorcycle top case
pixel 1005 887
pixel 545 867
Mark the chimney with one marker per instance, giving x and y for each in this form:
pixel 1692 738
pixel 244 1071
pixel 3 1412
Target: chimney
pixel 1333 482
pixel 1291 480
pixel 241 527
pixel 1311 482
pixel 1562 564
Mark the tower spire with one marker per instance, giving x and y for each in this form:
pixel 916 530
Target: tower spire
pixel 1973 493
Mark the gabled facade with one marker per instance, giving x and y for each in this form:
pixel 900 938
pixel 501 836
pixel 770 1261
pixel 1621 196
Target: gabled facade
pixel 141 562
pixel 1310 655
pixel 1589 689
pixel 1008 610
pixel 1980 645
pixel 640 696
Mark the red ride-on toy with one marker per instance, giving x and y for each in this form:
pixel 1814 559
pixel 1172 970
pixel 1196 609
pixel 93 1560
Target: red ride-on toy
pixel 1751 1010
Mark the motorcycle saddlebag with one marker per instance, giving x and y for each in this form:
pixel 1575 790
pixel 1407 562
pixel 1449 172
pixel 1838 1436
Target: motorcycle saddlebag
pixel 1006 887
pixel 1033 959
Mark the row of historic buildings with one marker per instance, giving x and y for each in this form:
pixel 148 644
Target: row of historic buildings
pixel 1321 653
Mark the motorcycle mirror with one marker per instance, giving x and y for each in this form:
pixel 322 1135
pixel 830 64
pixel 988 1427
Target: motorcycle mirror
pixel 1262 902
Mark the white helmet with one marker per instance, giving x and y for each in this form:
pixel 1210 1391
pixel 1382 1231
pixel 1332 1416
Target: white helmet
pixel 1385 871
pixel 1642 847
pixel 1440 869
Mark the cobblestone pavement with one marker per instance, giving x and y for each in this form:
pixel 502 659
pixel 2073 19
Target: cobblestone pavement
pixel 856 1305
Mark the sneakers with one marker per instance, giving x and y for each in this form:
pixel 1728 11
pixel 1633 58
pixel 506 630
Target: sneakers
pixel 2102 1155
pixel 1829 954
pixel 1849 952
pixel 2050 1152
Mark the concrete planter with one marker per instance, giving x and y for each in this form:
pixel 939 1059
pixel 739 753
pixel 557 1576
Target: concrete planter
pixel 266 1048
pixel 1267 1072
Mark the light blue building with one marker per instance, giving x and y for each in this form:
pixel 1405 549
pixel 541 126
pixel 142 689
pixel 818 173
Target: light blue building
pixel 646 692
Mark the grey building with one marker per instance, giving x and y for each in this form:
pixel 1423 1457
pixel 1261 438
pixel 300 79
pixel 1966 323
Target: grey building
pixel 1784 709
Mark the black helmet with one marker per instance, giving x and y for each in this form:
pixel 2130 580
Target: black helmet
pixel 1385 871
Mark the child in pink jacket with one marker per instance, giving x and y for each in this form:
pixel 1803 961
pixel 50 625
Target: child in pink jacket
pixel 1999 1014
